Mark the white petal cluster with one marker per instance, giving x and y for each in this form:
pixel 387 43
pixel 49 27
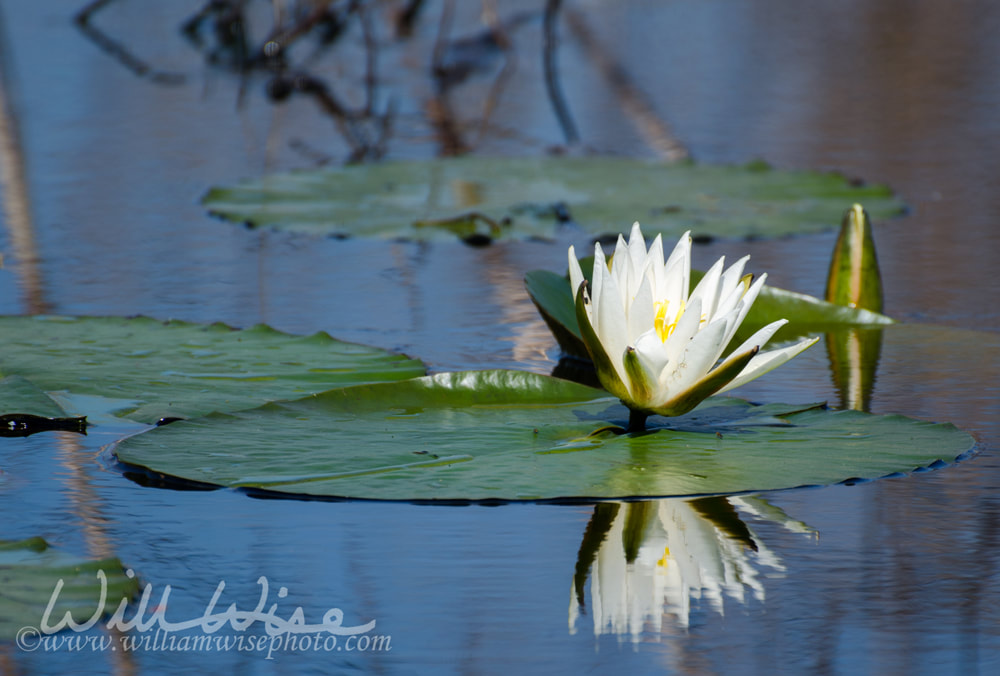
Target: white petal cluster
pixel 657 346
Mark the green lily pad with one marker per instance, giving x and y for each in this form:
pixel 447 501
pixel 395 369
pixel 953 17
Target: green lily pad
pixel 20 395
pixel 30 571
pixel 503 435
pixel 148 369
pixel 484 199
pixel 805 314
pixel 26 410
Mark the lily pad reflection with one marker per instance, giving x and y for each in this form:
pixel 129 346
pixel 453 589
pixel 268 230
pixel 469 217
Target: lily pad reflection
pixel 31 572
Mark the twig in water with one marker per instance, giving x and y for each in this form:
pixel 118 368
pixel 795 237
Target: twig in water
pixel 371 60
pixel 633 101
pixel 552 86
pixel 117 50
pixel 407 18
pixel 502 40
pixel 439 108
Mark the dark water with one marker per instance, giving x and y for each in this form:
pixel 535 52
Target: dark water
pixel 894 576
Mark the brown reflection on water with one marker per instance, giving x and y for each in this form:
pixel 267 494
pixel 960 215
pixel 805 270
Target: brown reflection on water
pixel 902 92
pixel 89 509
pixel 15 195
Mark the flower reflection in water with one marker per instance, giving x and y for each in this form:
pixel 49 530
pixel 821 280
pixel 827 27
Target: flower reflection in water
pixel 647 560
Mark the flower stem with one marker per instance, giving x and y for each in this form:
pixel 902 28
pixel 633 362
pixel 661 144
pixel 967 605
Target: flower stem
pixel 636 421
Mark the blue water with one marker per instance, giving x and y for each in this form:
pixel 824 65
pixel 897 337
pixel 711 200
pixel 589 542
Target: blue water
pixel 895 576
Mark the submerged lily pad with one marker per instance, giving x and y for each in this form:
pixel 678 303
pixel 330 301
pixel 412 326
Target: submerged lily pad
pixel 148 369
pixel 521 436
pixel 30 571
pixel 483 199
pixel 805 314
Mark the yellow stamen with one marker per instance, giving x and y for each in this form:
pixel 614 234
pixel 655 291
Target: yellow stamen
pixel 664 327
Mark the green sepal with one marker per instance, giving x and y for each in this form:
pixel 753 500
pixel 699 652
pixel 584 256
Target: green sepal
pixel 606 371
pixel 854 279
pixel 642 389
pixel 707 385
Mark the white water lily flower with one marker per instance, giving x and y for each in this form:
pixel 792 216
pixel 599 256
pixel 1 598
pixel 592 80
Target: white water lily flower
pixel 657 347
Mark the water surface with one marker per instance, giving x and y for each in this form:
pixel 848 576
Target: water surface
pixel 896 576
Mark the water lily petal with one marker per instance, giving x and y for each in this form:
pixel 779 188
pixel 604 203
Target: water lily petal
pixel 761 335
pixel 642 311
pixel 654 261
pixel 745 303
pixel 610 323
pixel 708 289
pixel 637 248
pixel 702 352
pixel 681 250
pixel 575 273
pixel 600 273
pixel 729 305
pixel 733 274
pixel 731 287
pixel 607 373
pixel 685 330
pixel 673 284
pixel 626 270
pixel 709 384
pixel 638 263
pixel 768 361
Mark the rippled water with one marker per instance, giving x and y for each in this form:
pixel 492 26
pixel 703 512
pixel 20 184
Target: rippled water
pixel 893 576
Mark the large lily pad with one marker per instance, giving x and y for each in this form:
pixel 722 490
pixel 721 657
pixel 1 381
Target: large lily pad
pixel 521 436
pixel 805 314
pixel 20 395
pixel 26 410
pixel 149 369
pixel 481 199
pixel 30 571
